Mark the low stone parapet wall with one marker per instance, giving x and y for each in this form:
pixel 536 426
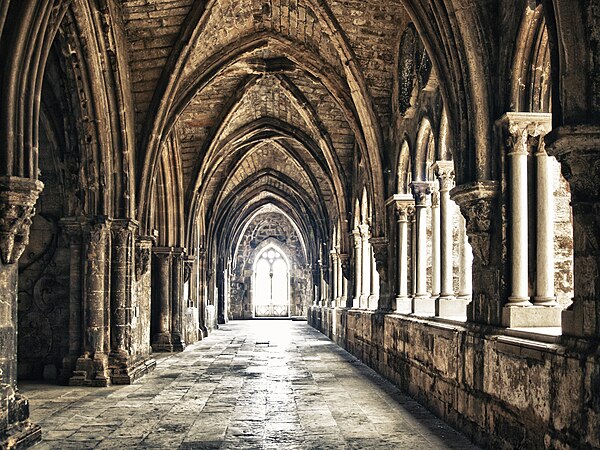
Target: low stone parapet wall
pixel 502 388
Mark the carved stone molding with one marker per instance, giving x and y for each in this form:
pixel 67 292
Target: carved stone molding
pixel 380 252
pixel 17 200
pixel 477 202
pixel 577 148
pixel 345 259
pixel 143 252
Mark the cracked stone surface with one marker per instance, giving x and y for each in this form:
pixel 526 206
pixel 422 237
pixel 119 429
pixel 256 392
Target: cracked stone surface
pixel 250 385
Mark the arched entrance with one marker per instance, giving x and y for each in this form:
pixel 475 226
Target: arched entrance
pixel 271 284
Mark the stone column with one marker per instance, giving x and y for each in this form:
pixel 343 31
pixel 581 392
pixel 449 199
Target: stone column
pixel 436 249
pixel 357 268
pixel 366 266
pixel 202 293
pixel 518 223
pixel 121 288
pixel 340 283
pixel 177 299
pixel 577 148
pixel 92 368
pixel 72 227
pixel 448 305
pixel 523 132
pixel 405 207
pixel 373 299
pixel 465 289
pixel 382 299
pixel 161 299
pixel 334 275
pixel 17 200
pixel 423 304
pixel 544 283
pixel 345 275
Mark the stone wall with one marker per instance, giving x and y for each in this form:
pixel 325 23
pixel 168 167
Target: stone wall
pixel 504 390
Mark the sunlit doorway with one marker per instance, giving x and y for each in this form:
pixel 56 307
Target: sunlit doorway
pixel 271 284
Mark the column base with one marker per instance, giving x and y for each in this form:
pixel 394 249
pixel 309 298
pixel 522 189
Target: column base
pixel 531 316
pixel 404 305
pixel 450 306
pixel 343 303
pixel 17 430
pixel 178 343
pixel 20 435
pixel 574 322
pixel 123 371
pixel 68 366
pixel 518 301
pixel 363 301
pixel 92 372
pixel 162 343
pixel 355 303
pixel 545 301
pixel 372 302
pixel 423 305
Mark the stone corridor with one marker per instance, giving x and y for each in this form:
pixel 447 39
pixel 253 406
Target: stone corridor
pixel 253 384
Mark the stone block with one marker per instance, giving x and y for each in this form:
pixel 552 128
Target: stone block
pixel 531 316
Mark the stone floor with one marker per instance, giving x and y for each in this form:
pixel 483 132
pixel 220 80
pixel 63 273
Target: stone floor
pixel 255 384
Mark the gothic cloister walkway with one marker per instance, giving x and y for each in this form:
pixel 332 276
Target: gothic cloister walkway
pixel 253 384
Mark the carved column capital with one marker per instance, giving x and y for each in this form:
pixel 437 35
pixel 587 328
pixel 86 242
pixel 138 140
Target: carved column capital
pixel 17 200
pixel 444 170
pixel 521 131
pixel 364 230
pixel 405 206
pixel 476 202
pixel 421 189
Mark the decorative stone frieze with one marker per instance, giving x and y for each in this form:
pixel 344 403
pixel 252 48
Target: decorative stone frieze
pixel 477 202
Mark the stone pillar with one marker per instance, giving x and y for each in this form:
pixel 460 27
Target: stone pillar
pixel 465 287
pixel 72 227
pixel 366 266
pixel 340 283
pixel 92 368
pixel 382 299
pixel 334 275
pixel 17 200
pixel 448 305
pixel 405 207
pixel 123 239
pixel 436 249
pixel 357 268
pixel 518 223
pixel 373 299
pixel 177 308
pixel 345 275
pixel 202 293
pixel 523 132
pixel 479 205
pixel 161 299
pixel 423 304
pixel 577 148
pixel 544 283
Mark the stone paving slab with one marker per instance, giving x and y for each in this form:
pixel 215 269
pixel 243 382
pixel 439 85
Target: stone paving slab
pixel 249 385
